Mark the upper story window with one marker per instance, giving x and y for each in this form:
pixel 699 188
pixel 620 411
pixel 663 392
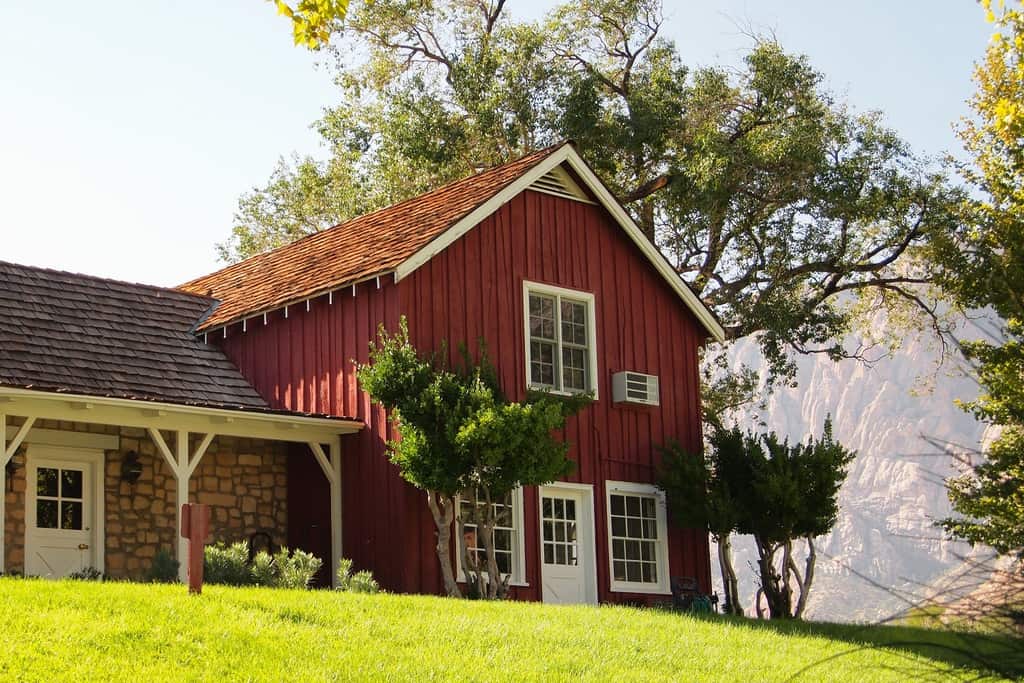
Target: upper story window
pixel 560 339
pixel 638 538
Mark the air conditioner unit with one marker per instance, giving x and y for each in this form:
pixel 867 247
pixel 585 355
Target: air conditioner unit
pixel 636 388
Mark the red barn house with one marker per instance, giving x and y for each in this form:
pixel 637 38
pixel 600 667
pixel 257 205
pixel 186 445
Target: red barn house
pixel 537 259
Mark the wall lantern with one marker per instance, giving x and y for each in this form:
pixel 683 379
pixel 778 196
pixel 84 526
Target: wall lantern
pixel 131 468
pixel 13 465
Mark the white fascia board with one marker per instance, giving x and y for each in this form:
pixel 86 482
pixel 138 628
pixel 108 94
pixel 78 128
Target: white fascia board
pixel 568 154
pixel 150 414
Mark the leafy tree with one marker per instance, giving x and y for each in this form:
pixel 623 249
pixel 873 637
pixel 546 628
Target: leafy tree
pixel 756 484
pixel 779 205
pixel 313 20
pixel 459 435
pixel 984 267
pixel 698 494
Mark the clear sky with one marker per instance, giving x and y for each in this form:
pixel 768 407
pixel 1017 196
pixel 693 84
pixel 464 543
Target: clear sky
pixel 129 129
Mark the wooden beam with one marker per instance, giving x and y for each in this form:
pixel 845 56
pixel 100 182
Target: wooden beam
pixel 161 445
pixel 325 463
pixel 200 452
pixel 9 452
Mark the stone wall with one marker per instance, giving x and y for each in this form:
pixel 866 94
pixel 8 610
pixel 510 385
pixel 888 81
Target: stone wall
pixel 243 480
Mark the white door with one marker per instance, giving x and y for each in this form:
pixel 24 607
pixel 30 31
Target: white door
pixel 567 545
pixel 61 528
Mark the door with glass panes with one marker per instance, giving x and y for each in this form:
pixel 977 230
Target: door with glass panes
pixel 61 510
pixel 566 545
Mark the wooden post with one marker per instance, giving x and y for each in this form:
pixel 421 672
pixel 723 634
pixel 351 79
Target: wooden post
pixel 195 527
pixel 336 552
pixel 330 463
pixel 181 475
pixel 3 492
pixel 7 451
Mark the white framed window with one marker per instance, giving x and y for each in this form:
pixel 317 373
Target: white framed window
pixel 637 537
pixel 508 536
pixel 561 342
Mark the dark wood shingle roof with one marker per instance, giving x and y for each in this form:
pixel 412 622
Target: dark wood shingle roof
pixel 85 335
pixel 362 247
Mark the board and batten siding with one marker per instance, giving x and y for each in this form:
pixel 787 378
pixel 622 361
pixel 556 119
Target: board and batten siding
pixel 472 291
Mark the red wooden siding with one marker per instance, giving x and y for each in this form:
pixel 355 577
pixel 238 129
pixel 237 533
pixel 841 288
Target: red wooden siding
pixel 474 290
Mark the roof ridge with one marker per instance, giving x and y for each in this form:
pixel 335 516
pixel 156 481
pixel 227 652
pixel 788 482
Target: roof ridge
pixel 96 278
pixel 539 155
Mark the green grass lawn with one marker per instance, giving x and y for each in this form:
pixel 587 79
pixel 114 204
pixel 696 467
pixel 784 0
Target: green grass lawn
pixel 130 632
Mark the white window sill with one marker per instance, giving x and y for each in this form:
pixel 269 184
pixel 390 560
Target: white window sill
pixel 544 389
pixel 620 587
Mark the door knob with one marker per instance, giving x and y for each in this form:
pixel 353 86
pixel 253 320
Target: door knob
pixel 83 546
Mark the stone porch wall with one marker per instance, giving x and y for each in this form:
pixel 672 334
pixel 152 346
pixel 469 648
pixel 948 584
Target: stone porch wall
pixel 243 480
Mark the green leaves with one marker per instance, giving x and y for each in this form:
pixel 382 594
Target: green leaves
pixel 457 431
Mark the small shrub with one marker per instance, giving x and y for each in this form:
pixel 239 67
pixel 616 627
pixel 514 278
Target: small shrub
pixel 263 569
pixel 227 564
pixel 164 568
pixel 363 582
pixel 344 573
pixel 296 571
pixel 87 574
pixel 360 582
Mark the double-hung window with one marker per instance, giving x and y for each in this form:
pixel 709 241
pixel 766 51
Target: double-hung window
pixel 638 542
pixel 508 545
pixel 560 339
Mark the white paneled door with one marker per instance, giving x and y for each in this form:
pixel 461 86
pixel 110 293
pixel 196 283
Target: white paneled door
pixel 63 516
pixel 567 545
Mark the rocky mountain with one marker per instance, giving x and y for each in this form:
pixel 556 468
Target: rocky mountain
pixel 884 551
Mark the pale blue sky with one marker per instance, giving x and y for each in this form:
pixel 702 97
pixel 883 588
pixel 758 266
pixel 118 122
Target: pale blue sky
pixel 129 129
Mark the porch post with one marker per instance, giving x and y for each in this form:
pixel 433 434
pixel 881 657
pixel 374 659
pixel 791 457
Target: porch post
pixel 330 463
pixel 335 508
pixel 7 451
pixel 3 492
pixel 181 474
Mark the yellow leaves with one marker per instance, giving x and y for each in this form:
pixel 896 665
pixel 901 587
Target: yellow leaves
pixel 313 20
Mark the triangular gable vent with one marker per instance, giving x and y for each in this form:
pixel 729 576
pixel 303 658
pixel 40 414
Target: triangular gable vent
pixel 559 183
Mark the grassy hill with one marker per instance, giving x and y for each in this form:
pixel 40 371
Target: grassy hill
pixel 130 632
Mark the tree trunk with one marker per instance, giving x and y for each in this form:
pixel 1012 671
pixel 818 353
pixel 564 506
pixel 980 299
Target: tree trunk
pixel 730 584
pixel 805 588
pixel 442 508
pixel 778 605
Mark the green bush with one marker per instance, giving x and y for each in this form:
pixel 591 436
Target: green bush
pixel 296 571
pixel 229 565
pixel 360 582
pixel 164 568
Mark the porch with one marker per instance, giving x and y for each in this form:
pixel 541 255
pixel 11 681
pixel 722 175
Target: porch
pixel 99 482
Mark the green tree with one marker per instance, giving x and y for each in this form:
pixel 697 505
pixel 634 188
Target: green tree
pixel 698 494
pixel 778 204
pixel 984 267
pixel 756 484
pixel 458 435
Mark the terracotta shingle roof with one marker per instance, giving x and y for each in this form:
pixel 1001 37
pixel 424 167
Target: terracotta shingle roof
pixel 358 249
pixel 74 333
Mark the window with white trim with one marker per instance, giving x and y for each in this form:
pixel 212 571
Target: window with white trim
pixel 560 339
pixel 508 545
pixel 637 538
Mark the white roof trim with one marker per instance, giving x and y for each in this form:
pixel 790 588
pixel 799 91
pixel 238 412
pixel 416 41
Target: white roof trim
pixel 568 154
pixel 152 414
